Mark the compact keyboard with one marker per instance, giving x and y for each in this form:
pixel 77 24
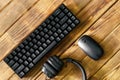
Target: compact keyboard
pixel 60 23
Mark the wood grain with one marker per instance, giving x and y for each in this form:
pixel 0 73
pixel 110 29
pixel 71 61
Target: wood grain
pixel 109 68
pixel 4 3
pixel 13 12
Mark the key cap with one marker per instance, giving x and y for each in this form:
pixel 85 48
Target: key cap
pixel 19 68
pixel 15 66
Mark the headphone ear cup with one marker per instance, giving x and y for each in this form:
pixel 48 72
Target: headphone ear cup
pixel 49 70
pixel 56 63
pixel 52 67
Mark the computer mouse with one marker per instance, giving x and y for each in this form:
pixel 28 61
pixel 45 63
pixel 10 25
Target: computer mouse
pixel 90 47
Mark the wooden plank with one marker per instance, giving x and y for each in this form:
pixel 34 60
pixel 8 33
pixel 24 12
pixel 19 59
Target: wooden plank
pixel 113 75
pixel 13 12
pixel 29 22
pixel 4 3
pixel 109 68
pixel 76 5
pixel 4 69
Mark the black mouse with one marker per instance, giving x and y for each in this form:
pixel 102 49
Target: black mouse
pixel 90 47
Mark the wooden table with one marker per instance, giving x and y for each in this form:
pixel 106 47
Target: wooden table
pixel 100 19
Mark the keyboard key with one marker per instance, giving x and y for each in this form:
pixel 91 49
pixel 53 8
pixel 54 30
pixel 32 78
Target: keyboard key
pixel 24 57
pixel 25 42
pixel 63 27
pixel 43 24
pixel 26 69
pixel 29 59
pixel 49 26
pixel 65 32
pixel 32 50
pixel 57 26
pixel 23 51
pixel 11 62
pixel 38 37
pixel 36 31
pixel 44 45
pixel 20 61
pixel 21 74
pixel 77 22
pixel 14 52
pixel 19 55
pixel 15 66
pixel 73 18
pixel 17 50
pixel 55 34
pixel 42 33
pixel 56 12
pixel 27 47
pixel 69 21
pixel 62 7
pixel 45 30
pixel 61 15
pixel 10 56
pixel 6 60
pixel 47 21
pixel 58 39
pixel 46 36
pixel 26 63
pixel 61 36
pixel 69 29
pixel 51 17
pixel 37 52
pixel 57 19
pixel 30 65
pixel 66 11
pixel 33 56
pixel 28 54
pixel 39 43
pixel 53 23
pixel 53 29
pixel 16 58
pixel 52 38
pixel 40 49
pixel 69 14
pixel 72 25
pixel 59 31
pixel 48 42
pixel 34 41
pixel 19 68
pixel 63 20
pixel 30 44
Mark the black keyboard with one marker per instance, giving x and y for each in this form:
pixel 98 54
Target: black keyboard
pixel 42 40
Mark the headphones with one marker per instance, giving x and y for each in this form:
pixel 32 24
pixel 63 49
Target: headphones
pixel 54 64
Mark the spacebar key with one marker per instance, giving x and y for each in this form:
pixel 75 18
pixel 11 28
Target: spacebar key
pixel 44 52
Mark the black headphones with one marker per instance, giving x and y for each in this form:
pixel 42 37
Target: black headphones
pixel 54 64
